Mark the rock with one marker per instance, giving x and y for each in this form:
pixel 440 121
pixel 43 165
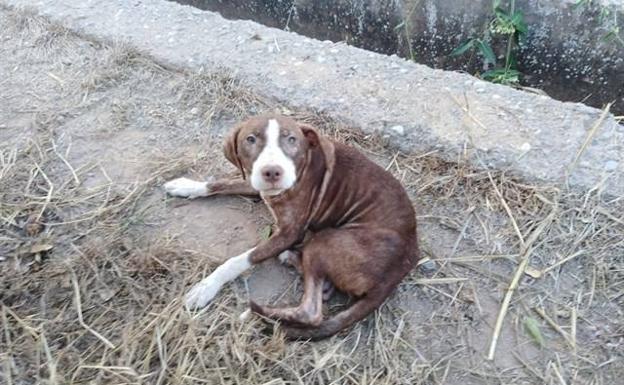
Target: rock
pixel 611 165
pixel 400 130
pixel 428 266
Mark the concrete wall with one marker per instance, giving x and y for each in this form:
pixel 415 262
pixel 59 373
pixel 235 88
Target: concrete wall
pixel 417 108
pixel 564 53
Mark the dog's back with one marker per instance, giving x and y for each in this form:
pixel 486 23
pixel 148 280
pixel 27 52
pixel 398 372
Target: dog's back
pixel 361 193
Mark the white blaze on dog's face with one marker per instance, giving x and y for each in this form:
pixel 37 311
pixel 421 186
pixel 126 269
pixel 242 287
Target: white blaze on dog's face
pixel 273 171
pixel 271 151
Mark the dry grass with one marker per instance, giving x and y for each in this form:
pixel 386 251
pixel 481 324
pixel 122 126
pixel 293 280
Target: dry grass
pixel 89 295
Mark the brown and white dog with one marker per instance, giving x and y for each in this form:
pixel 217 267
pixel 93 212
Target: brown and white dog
pixel 341 220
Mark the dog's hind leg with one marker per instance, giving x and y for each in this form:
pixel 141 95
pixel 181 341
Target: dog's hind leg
pixel 362 262
pixel 357 311
pixel 309 312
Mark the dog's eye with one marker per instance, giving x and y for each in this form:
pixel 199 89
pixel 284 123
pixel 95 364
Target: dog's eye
pixel 251 139
pixel 292 140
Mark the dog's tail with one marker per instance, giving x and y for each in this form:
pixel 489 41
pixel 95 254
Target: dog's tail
pixel 356 312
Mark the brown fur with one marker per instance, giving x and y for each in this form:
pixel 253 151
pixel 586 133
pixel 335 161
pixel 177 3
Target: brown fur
pixel 362 224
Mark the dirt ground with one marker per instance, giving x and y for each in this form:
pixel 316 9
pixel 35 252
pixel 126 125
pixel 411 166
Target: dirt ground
pixel 94 258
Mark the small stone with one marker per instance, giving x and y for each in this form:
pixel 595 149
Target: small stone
pixel 525 147
pixel 398 129
pixel 428 266
pixel 244 316
pixel 33 226
pixel 611 165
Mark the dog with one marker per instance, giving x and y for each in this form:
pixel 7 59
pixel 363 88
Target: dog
pixel 341 220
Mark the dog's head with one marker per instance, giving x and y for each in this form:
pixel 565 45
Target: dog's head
pixel 272 150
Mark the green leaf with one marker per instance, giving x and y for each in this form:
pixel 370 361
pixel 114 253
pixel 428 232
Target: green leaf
pixel 512 60
pixel 518 22
pixel 496 4
pixel 399 26
pixel 501 14
pixel 581 3
pixel 486 51
pixel 492 74
pixel 608 37
pixel 532 327
pixel 611 35
pixel 463 47
pixel 502 76
pixel 604 14
pixel 265 232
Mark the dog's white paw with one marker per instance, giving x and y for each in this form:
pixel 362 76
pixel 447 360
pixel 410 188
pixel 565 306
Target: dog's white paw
pixel 186 188
pixel 202 293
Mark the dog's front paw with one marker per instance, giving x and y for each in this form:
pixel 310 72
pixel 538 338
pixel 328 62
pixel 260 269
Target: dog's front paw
pixel 186 188
pixel 202 293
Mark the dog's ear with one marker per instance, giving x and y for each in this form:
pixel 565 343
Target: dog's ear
pixel 317 141
pixel 311 135
pixel 230 149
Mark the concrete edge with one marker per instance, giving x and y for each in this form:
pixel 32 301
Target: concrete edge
pixel 417 108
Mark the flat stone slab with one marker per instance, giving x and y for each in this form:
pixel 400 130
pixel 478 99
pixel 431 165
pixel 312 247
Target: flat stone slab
pixel 419 109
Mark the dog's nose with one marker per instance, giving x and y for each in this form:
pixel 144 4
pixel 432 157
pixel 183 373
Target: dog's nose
pixel 272 174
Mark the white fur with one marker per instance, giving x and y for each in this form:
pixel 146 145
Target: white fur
pixel 186 188
pixel 284 256
pixel 206 289
pixel 272 155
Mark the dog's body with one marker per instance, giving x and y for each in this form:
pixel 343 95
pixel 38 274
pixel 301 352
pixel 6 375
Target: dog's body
pixel 341 219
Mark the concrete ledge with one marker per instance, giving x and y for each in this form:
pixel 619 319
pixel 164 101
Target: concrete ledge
pixel 419 108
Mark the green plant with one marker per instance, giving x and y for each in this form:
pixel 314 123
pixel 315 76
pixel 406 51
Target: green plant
pixel 406 28
pixel 507 25
pixel 607 19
